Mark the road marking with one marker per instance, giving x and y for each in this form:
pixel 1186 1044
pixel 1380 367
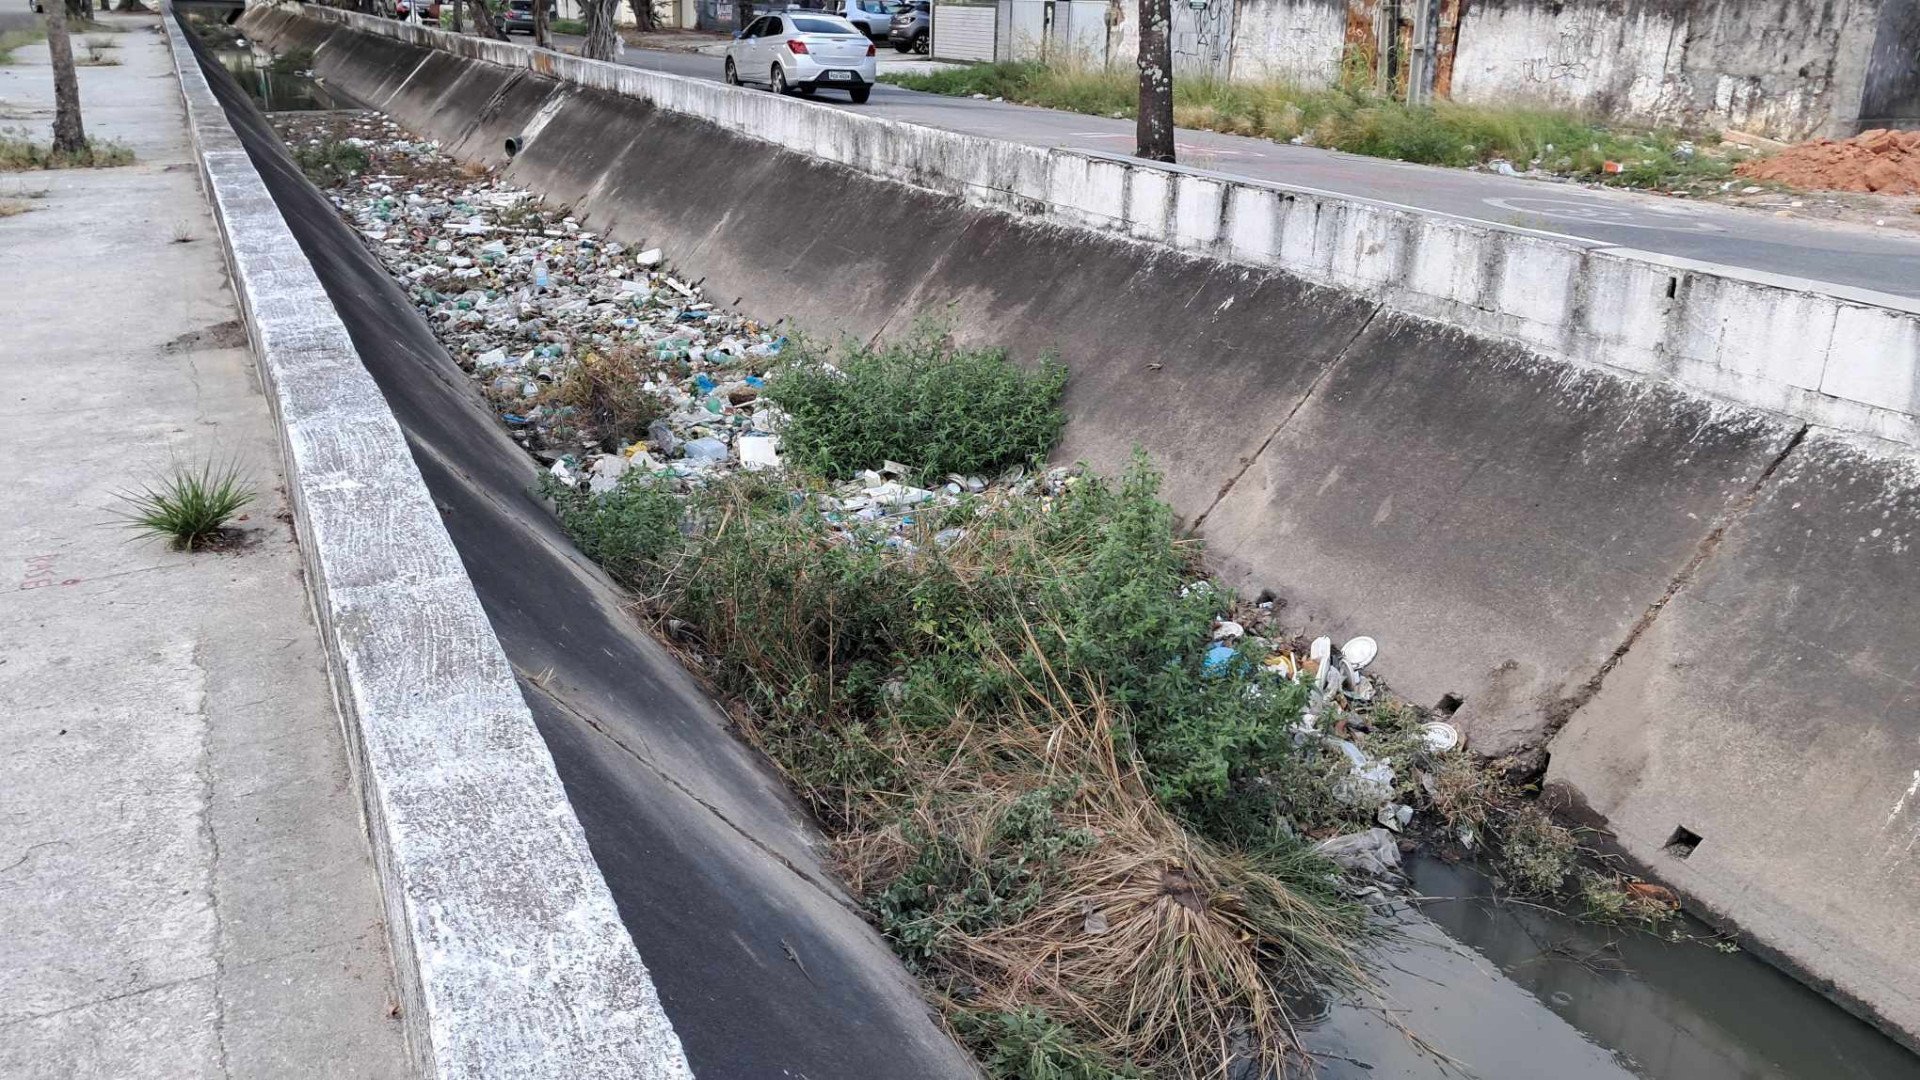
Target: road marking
pixel 1600 214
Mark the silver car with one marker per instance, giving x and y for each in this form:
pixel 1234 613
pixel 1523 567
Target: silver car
pixel 800 52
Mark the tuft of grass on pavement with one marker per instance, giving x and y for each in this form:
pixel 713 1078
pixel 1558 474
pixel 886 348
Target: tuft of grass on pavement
pixel 18 154
pixel 17 39
pixel 1361 122
pixel 189 509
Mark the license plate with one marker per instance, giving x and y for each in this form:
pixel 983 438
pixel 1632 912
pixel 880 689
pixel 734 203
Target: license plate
pixel 840 76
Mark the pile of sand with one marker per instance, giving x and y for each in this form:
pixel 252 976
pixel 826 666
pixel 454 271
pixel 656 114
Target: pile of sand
pixel 1884 161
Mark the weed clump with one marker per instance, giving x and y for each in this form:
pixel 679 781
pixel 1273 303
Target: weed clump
pixel 20 154
pixel 921 402
pixel 1016 741
pixel 330 162
pixel 189 509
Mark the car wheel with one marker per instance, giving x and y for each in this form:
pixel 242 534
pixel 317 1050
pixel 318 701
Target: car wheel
pixel 779 81
pixel 733 76
pixel 860 94
pixel 922 44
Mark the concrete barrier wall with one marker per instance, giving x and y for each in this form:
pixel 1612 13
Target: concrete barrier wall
pixel 1837 357
pixel 511 958
pixel 1555 542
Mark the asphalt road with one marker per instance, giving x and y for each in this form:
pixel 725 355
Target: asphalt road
pixel 1840 254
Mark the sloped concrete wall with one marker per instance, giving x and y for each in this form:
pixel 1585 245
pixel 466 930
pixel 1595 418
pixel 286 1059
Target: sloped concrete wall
pixel 1524 529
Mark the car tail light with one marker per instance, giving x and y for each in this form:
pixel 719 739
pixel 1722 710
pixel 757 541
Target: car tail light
pixel 869 48
pixel 796 47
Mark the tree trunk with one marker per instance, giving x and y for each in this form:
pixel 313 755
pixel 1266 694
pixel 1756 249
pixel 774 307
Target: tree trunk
pixel 450 17
pixel 542 33
pixel 1154 131
pixel 602 42
pixel 483 23
pixel 742 14
pixel 69 135
pixel 643 17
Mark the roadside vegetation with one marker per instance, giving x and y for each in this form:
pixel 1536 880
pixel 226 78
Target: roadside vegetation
pixel 1360 121
pixel 16 39
pixel 20 154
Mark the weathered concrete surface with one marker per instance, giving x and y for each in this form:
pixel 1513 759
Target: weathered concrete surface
pixel 1839 357
pixel 1511 527
pixel 186 886
pixel 1772 710
pixel 763 963
pixel 509 954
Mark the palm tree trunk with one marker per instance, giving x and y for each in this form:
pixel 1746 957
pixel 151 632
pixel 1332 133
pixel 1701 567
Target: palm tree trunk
pixel 69 134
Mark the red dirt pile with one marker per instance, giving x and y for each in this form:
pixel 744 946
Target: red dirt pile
pixel 1883 161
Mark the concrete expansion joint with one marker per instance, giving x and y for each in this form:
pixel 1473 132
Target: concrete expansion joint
pixel 205 825
pixel 1560 712
pixel 1299 403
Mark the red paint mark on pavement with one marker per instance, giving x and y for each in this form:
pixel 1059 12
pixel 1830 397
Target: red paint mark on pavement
pixel 41 574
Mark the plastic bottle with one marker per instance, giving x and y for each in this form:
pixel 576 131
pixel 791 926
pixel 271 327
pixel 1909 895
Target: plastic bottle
pixel 540 273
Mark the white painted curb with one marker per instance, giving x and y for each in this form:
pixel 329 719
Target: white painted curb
pixel 511 958
pixel 1830 355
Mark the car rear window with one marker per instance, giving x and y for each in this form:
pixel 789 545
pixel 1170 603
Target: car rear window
pixel 819 26
pixel 520 5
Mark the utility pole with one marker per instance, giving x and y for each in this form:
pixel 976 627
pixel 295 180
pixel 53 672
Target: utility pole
pixel 1154 130
pixel 542 38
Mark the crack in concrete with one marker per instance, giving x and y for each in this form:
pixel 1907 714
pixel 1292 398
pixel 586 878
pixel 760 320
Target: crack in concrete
pixel 1563 710
pixel 205 770
pixel 528 683
pixel 1318 378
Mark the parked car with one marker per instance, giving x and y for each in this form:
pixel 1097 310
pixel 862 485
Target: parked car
pixel 803 52
pixel 912 27
pixel 517 18
pixel 429 9
pixel 873 17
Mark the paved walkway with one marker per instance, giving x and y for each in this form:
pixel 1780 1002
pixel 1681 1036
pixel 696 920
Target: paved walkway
pixel 185 884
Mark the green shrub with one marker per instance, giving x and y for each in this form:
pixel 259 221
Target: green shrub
pixel 330 162
pixel 920 402
pixel 1027 1044
pixel 628 531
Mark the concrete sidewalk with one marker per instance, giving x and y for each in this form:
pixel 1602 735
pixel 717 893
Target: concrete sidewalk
pixel 185 884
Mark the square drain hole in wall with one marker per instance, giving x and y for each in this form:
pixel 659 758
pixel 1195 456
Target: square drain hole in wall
pixel 1682 842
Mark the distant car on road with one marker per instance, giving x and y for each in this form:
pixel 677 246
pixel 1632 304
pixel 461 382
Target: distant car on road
pixel 800 52
pixel 912 27
pixel 429 9
pixel 518 18
pixel 873 17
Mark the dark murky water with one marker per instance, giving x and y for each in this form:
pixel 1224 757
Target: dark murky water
pixel 276 84
pixel 1516 992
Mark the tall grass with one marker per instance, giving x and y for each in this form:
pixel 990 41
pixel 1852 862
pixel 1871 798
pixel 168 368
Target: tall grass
pixel 1354 120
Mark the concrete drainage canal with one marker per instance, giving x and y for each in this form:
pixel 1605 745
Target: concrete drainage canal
pixel 857 658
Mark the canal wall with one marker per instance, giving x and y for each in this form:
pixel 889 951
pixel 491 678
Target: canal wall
pixel 1649 514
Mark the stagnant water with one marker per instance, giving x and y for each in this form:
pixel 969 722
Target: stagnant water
pixel 274 84
pixel 1518 991
pixel 1495 990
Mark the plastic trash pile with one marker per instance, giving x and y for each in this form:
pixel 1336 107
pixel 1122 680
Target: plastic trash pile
pixel 560 326
pixel 1339 701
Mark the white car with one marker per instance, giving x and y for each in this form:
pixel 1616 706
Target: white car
pixel 800 52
